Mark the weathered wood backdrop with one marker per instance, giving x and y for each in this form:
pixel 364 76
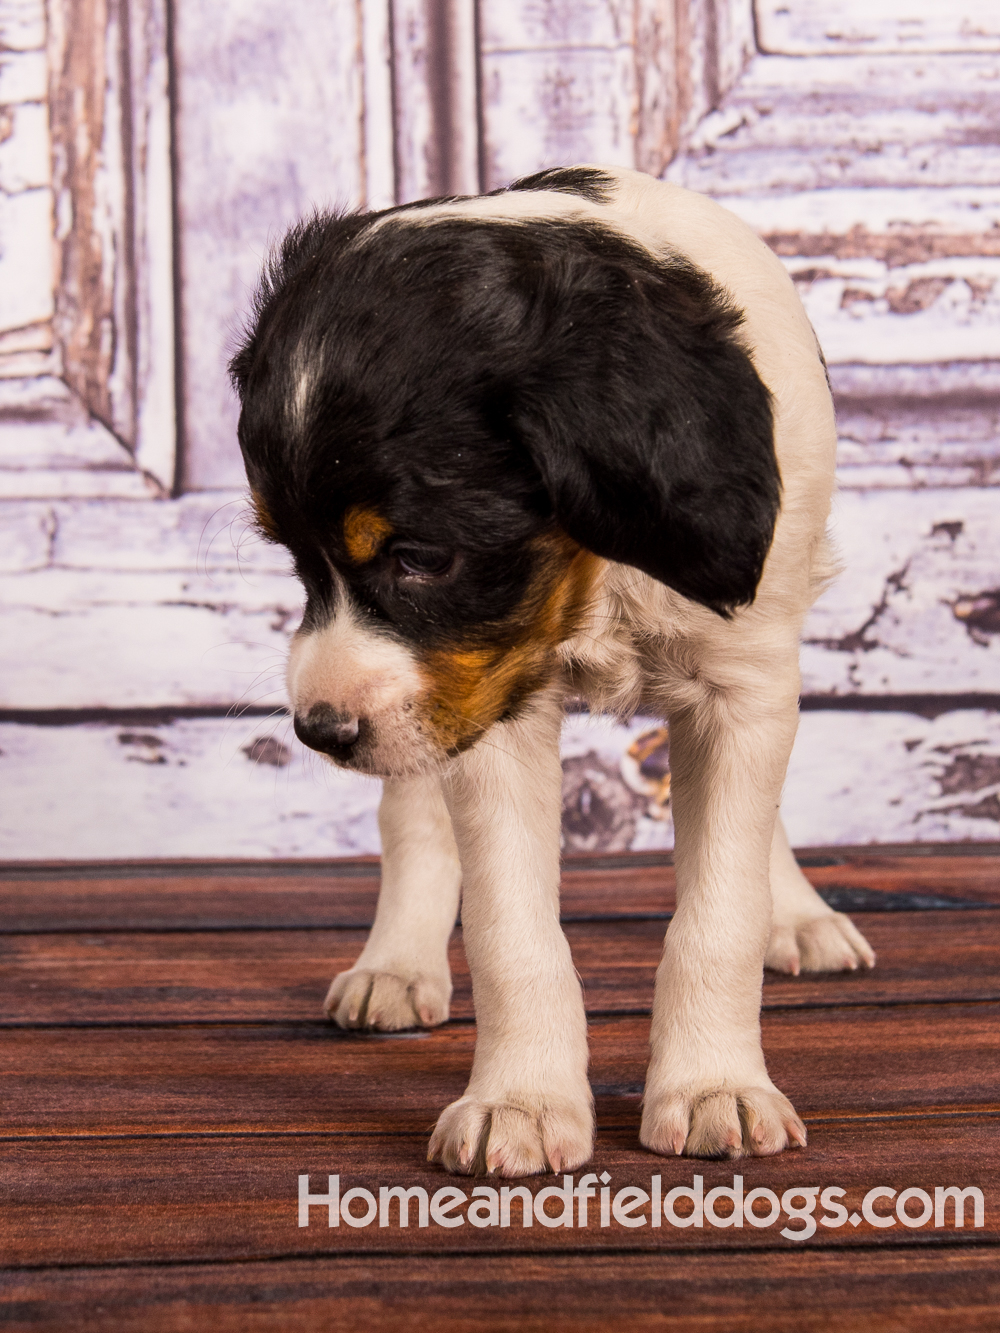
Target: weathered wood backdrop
pixel 148 156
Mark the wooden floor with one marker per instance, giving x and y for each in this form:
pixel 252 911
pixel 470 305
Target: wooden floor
pixel 167 1076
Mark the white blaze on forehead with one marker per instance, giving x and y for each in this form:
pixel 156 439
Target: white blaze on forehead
pixel 303 377
pixel 352 667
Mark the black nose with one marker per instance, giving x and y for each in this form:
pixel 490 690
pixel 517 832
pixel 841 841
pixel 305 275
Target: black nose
pixel 325 729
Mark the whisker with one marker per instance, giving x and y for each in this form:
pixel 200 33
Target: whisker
pixel 203 569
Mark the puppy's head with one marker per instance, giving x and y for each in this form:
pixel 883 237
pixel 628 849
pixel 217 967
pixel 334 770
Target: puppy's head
pixel 450 421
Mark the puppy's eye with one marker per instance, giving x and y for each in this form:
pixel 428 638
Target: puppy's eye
pixel 428 562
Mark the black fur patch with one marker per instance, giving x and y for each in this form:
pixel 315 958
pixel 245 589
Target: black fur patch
pixel 588 182
pixel 476 382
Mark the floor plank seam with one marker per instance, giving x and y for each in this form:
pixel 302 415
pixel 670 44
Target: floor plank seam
pixel 200 928
pixel 459 1023
pixel 209 1135
pixel 215 927
pixel 720 1249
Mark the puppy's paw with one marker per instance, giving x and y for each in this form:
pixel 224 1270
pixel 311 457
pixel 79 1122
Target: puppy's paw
pixel 362 998
pixel 741 1122
pixel 827 943
pixel 513 1138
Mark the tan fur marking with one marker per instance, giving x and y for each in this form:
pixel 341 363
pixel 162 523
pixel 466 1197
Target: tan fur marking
pixel 364 532
pixel 262 518
pixel 471 688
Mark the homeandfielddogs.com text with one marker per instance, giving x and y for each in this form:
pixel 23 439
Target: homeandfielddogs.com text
pixel 594 1200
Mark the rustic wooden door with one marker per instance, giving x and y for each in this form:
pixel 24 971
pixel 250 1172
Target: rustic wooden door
pixel 149 156
pixel 360 105
pixel 862 142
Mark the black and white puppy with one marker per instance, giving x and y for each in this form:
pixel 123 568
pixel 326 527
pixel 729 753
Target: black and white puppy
pixel 571 436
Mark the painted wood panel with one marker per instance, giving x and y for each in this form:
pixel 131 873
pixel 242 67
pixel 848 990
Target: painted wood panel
pixel 86 264
pixel 558 85
pixel 26 278
pixel 26 213
pixel 896 226
pixel 144 640
pixel 853 121
pixel 556 24
pixel 251 160
pixel 586 100
pixel 877 178
pixel 602 81
pixel 243 787
pixel 205 533
pixel 812 27
pixel 151 314
pixel 50 445
pixel 138 605
pixel 920 441
pixel 919 609
pixel 88 107
pixel 938 311
pixel 435 94
pixel 377 104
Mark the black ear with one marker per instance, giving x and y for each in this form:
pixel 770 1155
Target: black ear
pixel 648 421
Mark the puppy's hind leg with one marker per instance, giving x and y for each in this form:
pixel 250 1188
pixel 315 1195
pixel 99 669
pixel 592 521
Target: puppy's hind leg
pixel 806 934
pixel 402 979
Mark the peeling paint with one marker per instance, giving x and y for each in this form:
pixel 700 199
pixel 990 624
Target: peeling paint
pixel 969 773
pixel 951 529
pixel 268 750
pixel 988 808
pixel 599 813
pixel 917 295
pixel 980 614
pixel 146 747
pixel 906 244
pixel 856 640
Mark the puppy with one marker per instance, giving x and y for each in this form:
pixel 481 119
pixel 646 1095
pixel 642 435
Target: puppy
pixel 572 436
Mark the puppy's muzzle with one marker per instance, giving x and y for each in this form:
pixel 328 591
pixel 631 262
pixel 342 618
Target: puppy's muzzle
pixel 330 732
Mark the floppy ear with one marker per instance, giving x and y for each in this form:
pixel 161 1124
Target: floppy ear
pixel 650 426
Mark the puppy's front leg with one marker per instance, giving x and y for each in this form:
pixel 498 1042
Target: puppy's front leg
pixel 708 1093
pixel 402 979
pixel 806 935
pixel 528 1106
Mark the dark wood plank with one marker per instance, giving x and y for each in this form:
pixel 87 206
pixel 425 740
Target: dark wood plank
pixel 925 1291
pixel 179 902
pixel 861 1061
pixel 282 976
pixel 185 902
pixel 171 1199
pixel 922 956
pixel 959 876
pixel 232 901
pixel 255 976
pixel 217 1118
pixel 152 946
pixel 262 895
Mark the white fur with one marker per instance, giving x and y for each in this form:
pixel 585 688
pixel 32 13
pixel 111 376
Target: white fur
pixel 729 689
pixel 402 975
pixel 363 674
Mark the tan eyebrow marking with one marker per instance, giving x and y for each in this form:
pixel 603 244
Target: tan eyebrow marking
pixel 364 532
pixel 262 517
